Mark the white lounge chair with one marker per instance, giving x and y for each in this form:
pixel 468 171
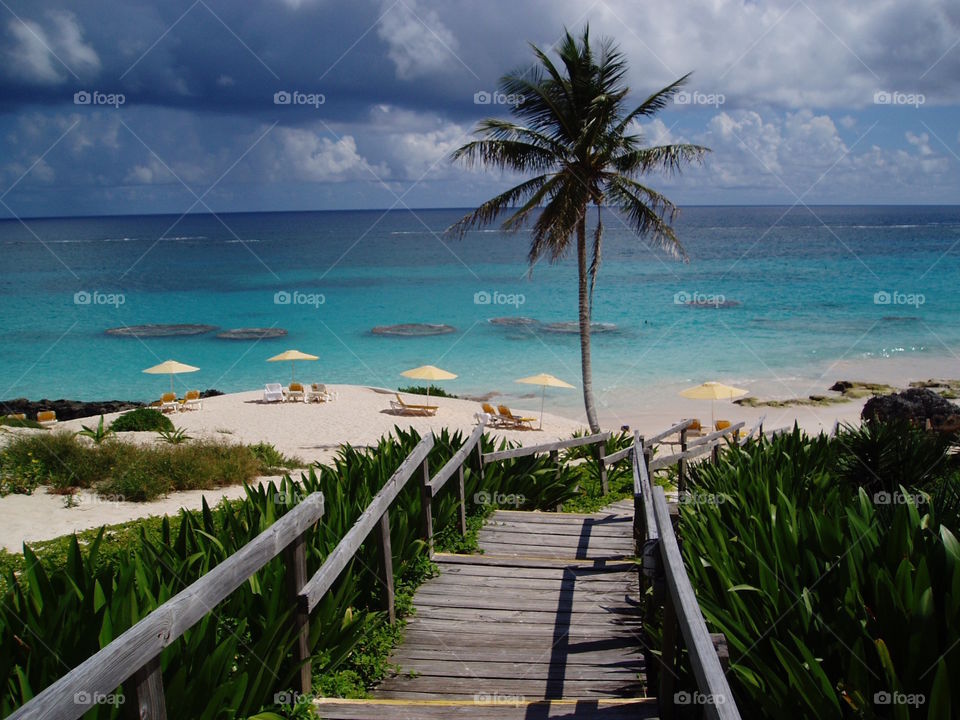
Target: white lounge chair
pixel 273 392
pixel 191 401
pixel 317 392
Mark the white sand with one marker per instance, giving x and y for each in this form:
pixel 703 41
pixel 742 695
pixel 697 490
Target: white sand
pixel 361 415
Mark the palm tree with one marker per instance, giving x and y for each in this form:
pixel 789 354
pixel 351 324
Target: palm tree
pixel 573 132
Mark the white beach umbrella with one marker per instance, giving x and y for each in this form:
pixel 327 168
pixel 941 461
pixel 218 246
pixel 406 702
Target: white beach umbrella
pixel 292 356
pixel 712 391
pixel 544 380
pixel 171 368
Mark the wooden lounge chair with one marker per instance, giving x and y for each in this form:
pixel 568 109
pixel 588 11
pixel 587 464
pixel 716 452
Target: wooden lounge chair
pixel 515 422
pixel 169 402
pixel 695 429
pixel 47 417
pixel 191 401
pixel 721 425
pixel 407 409
pixel 294 393
pixel 273 392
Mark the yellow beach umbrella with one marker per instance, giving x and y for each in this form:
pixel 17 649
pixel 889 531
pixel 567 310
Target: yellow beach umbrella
pixel 292 356
pixel 171 368
pixel 544 380
pixel 428 372
pixel 712 391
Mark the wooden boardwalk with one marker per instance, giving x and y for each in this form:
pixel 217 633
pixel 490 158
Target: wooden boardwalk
pixel 544 624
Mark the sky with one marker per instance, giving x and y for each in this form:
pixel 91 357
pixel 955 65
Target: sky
pixel 174 106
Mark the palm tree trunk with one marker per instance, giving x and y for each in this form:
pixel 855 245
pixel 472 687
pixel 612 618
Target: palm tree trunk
pixel 584 302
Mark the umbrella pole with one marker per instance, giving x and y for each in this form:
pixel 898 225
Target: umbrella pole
pixel 171 382
pixel 543 391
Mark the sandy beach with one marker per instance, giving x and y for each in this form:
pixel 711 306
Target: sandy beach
pixel 361 415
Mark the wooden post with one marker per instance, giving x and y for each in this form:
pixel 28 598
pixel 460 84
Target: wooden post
pixel 148 681
pixel 668 656
pixel 723 650
pixel 480 458
pixel 715 453
pixel 386 566
pixel 427 501
pixel 463 502
pixel 296 557
pixel 603 469
pixel 638 530
pixel 682 465
pixel 555 459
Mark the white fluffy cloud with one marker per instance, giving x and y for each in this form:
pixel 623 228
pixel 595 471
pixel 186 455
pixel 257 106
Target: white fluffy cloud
pixel 418 41
pixel 51 52
pixel 307 155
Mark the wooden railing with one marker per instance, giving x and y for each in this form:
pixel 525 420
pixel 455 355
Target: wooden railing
pixel 136 653
pixel 663 568
pixel 554 448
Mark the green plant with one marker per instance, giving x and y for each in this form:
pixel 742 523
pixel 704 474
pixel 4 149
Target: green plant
pixel 142 420
pixel 271 459
pixel 174 437
pixel 20 422
pixel 432 390
pixel 97 434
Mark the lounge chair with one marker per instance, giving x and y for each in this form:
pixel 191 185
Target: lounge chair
pixel 294 393
pixel 191 401
pixel 495 419
pixel 169 402
pixel 407 409
pixel 721 425
pixel 317 392
pixel 273 392
pixel 47 417
pixel 694 429
pixel 514 422
pixel 17 416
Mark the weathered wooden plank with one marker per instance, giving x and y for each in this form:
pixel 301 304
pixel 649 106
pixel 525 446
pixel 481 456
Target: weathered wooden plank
pixel 545 447
pixel 337 560
pixel 148 683
pixel 535 562
pixel 559 552
pixel 296 572
pixel 486 706
pixel 582 541
pixel 753 430
pixel 523 640
pixel 552 618
pixel 619 530
pixel 532 688
pixel 682 425
pixel 104 671
pixel 627 655
pixel 532 601
pixel 616 457
pixel 386 567
pixel 499 670
pixel 716 436
pixel 533 516
pixel 523 586
pixel 703 658
pixel 515 632
pixel 456 462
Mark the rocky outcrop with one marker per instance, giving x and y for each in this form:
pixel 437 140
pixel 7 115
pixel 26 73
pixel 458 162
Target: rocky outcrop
pixel 251 333
pixel 155 330
pixel 413 330
pixel 65 409
pixel 917 405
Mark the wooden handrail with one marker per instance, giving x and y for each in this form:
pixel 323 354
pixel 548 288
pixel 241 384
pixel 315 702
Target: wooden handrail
pixel 756 426
pixel 614 458
pixel 453 464
pixel 682 425
pixel 715 435
pixel 711 680
pixel 642 492
pixel 139 646
pixel 546 447
pixel 336 561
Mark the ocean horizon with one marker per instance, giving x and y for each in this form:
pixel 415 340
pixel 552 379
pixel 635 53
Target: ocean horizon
pixel 771 294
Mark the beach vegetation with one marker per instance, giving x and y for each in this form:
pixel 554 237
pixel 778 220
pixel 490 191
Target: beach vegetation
pixel 7 421
pixel 142 420
pixel 97 434
pixel 575 134
pixel 174 437
pixel 432 390
pixel 832 567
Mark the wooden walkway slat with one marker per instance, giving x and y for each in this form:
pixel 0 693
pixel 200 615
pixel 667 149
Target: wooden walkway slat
pixel 545 623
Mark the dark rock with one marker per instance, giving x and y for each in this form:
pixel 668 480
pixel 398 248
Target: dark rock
pixel 841 386
pixel 917 405
pixel 413 330
pixel 210 393
pixel 66 409
pixel 251 333
pixel 514 321
pixel 153 330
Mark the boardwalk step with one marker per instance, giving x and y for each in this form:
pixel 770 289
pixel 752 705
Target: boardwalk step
pixel 486 707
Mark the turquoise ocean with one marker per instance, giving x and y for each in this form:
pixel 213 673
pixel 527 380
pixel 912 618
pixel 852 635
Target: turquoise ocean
pixel 768 292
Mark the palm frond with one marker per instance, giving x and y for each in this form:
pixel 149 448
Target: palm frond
pixel 505 155
pixel 489 211
pixel 648 213
pixel 667 159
